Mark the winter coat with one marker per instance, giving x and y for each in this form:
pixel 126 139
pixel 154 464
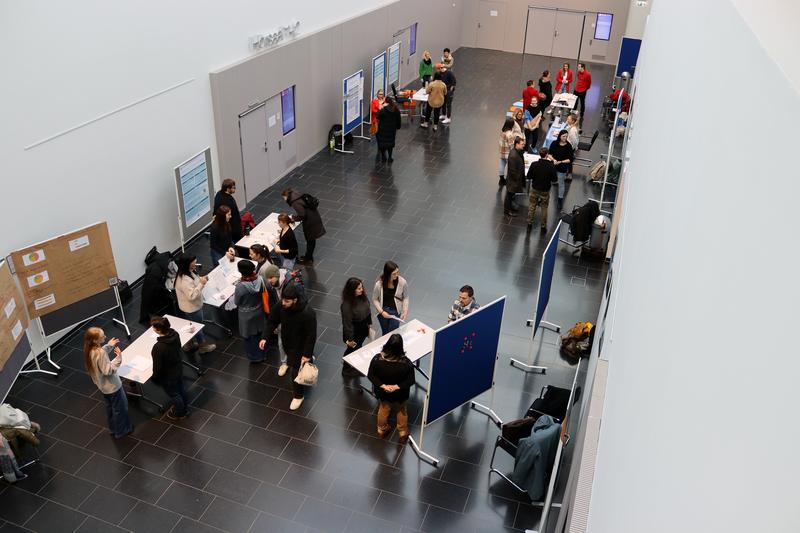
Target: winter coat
pixel 535 456
pixel 223 198
pixel 354 317
pixel 312 221
pixel 388 124
pixel 250 306
pixel 388 372
pixel 436 91
pixel 167 360
pixel 298 330
pixel 515 174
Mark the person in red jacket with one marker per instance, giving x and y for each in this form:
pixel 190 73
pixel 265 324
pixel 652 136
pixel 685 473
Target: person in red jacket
pixel 529 93
pixel 563 79
pixel 582 85
pixel 626 100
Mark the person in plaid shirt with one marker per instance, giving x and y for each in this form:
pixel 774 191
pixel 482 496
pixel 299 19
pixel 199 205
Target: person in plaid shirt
pixel 464 305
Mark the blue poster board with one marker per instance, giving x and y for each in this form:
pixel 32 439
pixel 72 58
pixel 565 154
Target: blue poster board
pixel 463 360
pixel 352 101
pixel 393 69
pixel 378 74
pixel 546 277
pixel 628 55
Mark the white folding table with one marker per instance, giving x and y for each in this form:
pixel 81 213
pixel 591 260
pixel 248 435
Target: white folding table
pixel 266 232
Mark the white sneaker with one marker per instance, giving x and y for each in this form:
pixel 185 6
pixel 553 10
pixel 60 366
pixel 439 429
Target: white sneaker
pixel 435 127
pixel 423 124
pixel 446 120
pixel 296 403
pixel 282 369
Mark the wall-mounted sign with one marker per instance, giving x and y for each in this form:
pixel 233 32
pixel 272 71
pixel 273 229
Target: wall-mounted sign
pixel 268 40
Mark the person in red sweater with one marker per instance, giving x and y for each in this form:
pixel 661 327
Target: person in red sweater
pixel 529 93
pixel 582 84
pixel 626 100
pixel 563 79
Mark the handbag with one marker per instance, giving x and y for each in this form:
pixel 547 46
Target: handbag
pixel 373 127
pixel 307 375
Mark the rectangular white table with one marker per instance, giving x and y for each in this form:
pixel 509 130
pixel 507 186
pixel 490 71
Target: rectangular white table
pixel 417 342
pixel 222 281
pixel 266 232
pixel 552 133
pixel 564 100
pixel 137 359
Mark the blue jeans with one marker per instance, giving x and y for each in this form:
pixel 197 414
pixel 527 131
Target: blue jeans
pixel 562 186
pixel 196 316
pixel 254 353
pixel 119 423
pixel 177 393
pixel 215 257
pixel 503 164
pixel 288 264
pixel 389 324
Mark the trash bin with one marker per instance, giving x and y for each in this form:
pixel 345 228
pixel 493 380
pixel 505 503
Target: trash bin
pixel 601 228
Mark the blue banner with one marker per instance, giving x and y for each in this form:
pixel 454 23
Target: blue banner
pixel 352 101
pixel 463 360
pixel 378 75
pixel 546 277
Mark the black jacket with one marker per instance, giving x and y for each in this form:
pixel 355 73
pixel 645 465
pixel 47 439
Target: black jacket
pixel 288 242
pixel 542 174
pixel 298 330
pixel 167 361
pixel 356 319
pixel 387 372
pixel 449 79
pixel 220 240
pixel 388 124
pixel 561 153
pixel 223 198
pixel 312 221
pixel 515 174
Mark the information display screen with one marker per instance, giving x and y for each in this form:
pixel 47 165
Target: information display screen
pixel 287 109
pixel 412 40
pixel 602 29
pixel 194 188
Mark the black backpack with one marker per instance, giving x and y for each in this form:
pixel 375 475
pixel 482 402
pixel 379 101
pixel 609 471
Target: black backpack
pixel 312 202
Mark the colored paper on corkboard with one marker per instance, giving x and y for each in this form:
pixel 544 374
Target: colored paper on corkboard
pixel 66 269
pixel 13 320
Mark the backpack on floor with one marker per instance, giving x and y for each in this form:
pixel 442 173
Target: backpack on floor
pixel 597 171
pixel 574 343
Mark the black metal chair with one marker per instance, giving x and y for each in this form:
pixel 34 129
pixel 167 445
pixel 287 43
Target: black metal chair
pixel 401 101
pixel 585 146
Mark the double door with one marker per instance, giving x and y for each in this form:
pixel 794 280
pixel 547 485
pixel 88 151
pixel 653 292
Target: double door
pixel 267 153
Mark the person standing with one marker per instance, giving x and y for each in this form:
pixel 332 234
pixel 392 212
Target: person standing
pixel 189 292
pixel 542 174
pixel 562 153
pixel 221 238
pixel 272 280
pixel 531 121
pixel 465 304
pixel 436 92
pixel 529 93
pixel 388 124
pixel 356 320
pixel 286 246
pixel 447 59
pixel 545 88
pixel 390 297
pixel 564 79
pixel 426 68
pixel 168 367
pixel 298 324
pixel 260 254
pixel 515 176
pixel 392 376
pixel 582 85
pixel 573 133
pixel 225 197
pixel 506 144
pixel 374 107
pixel 313 228
pixel 103 372
pixel 250 309
pixel 519 123
pixel 449 80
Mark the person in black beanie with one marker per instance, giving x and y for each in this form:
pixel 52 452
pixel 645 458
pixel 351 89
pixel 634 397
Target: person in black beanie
pixel 392 376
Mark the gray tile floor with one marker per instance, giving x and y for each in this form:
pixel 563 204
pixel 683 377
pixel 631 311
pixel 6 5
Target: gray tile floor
pixel 242 461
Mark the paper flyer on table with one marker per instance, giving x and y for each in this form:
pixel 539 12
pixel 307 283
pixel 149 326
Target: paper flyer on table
pixel 140 362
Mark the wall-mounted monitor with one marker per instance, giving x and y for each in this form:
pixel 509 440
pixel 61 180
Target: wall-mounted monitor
pixel 287 109
pixel 412 40
pixel 602 27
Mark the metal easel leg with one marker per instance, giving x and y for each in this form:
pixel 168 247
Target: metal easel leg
pixel 421 454
pixel 122 322
pixel 533 369
pixel 39 368
pixel 488 412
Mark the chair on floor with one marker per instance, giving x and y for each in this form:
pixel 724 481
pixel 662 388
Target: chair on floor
pixel 404 103
pixel 585 146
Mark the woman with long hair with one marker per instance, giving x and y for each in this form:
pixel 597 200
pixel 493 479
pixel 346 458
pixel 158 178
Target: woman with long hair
pixel 103 372
pixel 426 68
pixel 388 124
pixel 286 246
pixel 356 319
pixel 374 107
pixel 562 154
pixel 189 291
pixel 392 376
pixel 506 144
pixel 390 297
pixel 546 88
pixel 221 239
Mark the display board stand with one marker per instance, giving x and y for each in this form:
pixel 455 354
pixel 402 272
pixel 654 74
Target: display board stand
pixel 194 184
pixel 352 95
pixel 543 298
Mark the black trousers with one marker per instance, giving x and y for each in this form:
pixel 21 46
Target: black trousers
pixel 435 111
pixel 531 138
pixel 581 100
pixel 310 245
pixel 508 204
pixel 448 104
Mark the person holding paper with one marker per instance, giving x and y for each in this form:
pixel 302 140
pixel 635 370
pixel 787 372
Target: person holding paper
pixel 447 58
pixel 221 239
pixel 392 376
pixel 390 298
pixel 356 320
pixel 250 308
pixel 103 372
pixel 189 291
pixel 168 367
pixel 225 197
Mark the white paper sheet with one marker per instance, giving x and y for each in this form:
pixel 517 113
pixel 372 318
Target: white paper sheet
pixel 140 362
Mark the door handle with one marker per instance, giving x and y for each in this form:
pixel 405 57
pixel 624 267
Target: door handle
pixel 555 34
pixel 279 145
pixel 479 24
pixel 265 146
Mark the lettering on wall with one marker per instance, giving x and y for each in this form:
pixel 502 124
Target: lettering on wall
pixel 268 40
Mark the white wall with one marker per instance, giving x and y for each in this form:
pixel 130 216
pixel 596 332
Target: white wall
pixel 65 63
pixel 700 424
pixel 637 18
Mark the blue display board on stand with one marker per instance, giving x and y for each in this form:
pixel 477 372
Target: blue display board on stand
pixel 628 55
pixel 463 360
pixel 352 101
pixel 378 74
pixel 546 277
pixel 393 67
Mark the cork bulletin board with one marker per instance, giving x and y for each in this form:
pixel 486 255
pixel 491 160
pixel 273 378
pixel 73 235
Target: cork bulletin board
pixel 13 320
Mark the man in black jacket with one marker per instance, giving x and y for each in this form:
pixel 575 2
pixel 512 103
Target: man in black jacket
pixel 449 79
pixel 224 196
pixel 515 176
pixel 298 324
pixel 312 223
pixel 542 174
pixel 168 367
